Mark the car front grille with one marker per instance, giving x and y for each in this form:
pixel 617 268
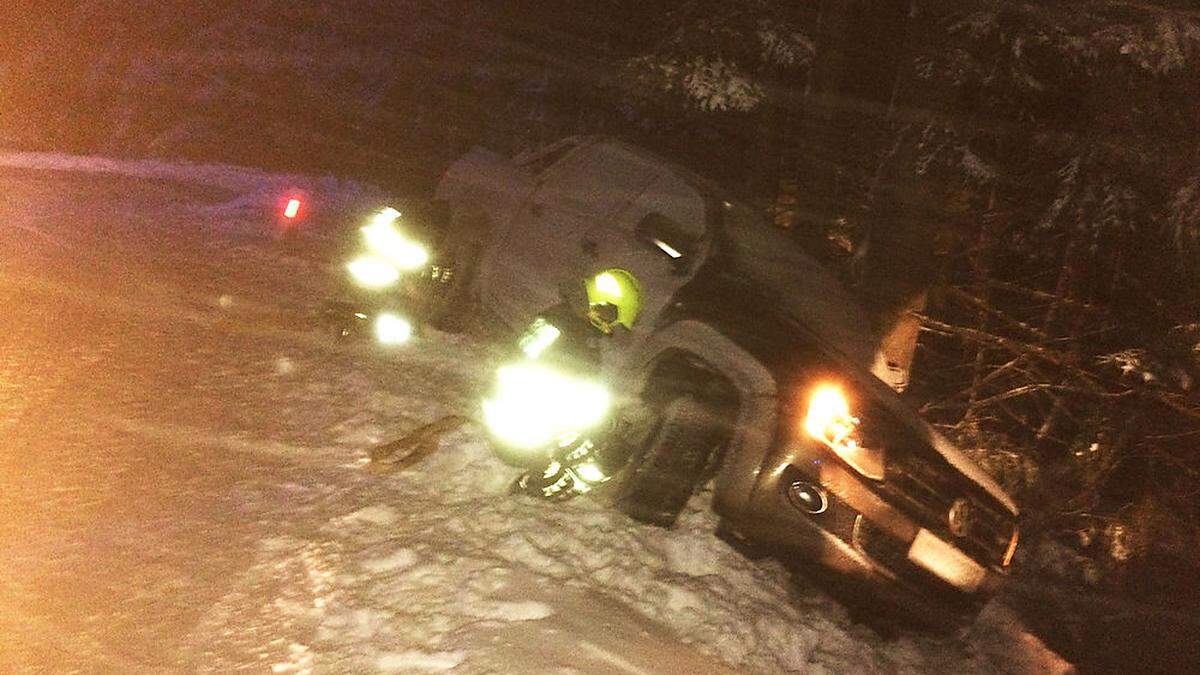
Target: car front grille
pixel 930 487
pixel 892 554
pixel 883 548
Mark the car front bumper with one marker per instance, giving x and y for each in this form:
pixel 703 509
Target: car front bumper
pixel 855 532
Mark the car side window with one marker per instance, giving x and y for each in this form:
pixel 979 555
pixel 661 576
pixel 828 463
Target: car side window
pixel 670 238
pixel 668 218
pixel 679 202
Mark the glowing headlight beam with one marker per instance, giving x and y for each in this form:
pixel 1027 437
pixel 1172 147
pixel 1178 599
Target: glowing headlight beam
pixel 829 418
pixel 830 422
pixel 372 272
pixel 392 330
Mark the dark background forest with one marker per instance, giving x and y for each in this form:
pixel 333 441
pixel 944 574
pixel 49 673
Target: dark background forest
pixel 1021 177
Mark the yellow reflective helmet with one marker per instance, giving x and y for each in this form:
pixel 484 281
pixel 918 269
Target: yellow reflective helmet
pixel 614 297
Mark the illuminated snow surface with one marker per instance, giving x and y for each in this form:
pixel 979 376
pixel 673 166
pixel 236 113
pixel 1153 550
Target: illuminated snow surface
pixel 182 482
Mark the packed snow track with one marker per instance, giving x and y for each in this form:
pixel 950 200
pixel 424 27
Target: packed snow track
pixel 182 481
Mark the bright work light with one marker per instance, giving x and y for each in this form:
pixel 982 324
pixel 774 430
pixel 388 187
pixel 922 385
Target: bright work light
pixel 386 216
pixel 392 330
pixel 385 241
pixel 373 272
pixel 533 405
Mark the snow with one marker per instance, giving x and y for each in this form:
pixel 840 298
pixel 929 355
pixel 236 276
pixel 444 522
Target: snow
pixel 784 48
pixel 417 661
pixel 975 167
pixel 377 514
pixel 218 175
pixel 496 610
pixel 250 188
pixel 207 508
pixel 401 559
pixel 716 85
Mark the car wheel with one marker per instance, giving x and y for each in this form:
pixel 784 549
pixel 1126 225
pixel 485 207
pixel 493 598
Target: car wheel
pixel 659 483
pixel 448 303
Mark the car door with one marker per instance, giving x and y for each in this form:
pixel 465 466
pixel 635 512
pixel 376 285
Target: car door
pixel 550 240
pixel 661 237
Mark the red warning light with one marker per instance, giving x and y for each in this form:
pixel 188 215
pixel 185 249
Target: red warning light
pixel 292 209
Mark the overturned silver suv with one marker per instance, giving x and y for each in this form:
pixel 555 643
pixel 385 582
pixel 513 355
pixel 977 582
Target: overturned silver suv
pixel 814 457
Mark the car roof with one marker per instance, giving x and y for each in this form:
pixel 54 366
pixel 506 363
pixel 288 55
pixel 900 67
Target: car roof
pixel 772 258
pixel 707 187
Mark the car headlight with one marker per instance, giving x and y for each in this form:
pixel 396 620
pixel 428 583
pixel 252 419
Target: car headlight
pixel 373 272
pixel 385 241
pixel 829 421
pixel 533 405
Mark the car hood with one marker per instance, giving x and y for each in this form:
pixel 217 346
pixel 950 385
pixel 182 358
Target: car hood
pixel 802 289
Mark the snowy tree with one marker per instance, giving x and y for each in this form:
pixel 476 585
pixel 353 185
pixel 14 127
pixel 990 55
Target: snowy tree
pixel 1060 165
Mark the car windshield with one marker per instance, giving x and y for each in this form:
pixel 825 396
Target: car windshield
pixel 807 292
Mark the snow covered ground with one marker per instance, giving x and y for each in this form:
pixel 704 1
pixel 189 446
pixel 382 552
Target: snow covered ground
pixel 182 481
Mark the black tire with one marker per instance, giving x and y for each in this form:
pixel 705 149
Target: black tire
pixel 659 483
pixel 448 304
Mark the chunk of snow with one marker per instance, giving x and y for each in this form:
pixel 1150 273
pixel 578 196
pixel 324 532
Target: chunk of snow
pixel 284 366
pixel 401 559
pixel 414 661
pixel 1001 637
pixel 500 610
pixel 300 660
pixel 377 514
pixel 694 557
pixel 717 86
pixel 975 167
